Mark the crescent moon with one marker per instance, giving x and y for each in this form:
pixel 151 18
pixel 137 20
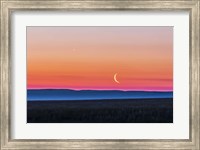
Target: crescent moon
pixel 115 78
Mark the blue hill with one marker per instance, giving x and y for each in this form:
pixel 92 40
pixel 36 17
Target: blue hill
pixel 65 94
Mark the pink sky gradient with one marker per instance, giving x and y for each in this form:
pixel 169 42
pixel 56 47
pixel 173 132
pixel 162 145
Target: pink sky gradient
pixel 88 57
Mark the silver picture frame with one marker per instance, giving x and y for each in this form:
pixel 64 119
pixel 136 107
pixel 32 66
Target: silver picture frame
pixel 10 6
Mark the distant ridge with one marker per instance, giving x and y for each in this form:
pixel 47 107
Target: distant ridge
pixel 68 94
pixel 100 90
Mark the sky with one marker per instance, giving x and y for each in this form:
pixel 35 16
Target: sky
pixel 100 58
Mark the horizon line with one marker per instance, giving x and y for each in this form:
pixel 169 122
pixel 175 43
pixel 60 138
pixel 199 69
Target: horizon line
pixel 99 90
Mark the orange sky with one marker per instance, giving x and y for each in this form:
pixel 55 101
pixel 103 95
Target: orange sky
pixel 88 57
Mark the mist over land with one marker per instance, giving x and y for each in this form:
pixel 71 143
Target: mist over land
pixel 67 94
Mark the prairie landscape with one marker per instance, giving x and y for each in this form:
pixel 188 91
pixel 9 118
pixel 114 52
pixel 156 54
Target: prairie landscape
pixel 101 111
pixel 90 106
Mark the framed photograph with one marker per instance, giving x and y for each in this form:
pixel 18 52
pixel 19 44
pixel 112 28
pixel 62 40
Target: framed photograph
pixel 100 74
pixel 99 78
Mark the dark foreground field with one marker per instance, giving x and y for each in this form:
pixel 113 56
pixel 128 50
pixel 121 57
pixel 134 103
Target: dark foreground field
pixel 101 111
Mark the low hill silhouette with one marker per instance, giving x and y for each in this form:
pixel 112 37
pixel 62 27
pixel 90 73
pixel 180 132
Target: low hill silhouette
pixel 67 94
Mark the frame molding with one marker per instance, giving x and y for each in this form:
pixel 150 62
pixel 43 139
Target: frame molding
pixel 7 7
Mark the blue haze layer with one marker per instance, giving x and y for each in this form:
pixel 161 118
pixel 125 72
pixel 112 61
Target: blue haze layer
pixel 65 94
